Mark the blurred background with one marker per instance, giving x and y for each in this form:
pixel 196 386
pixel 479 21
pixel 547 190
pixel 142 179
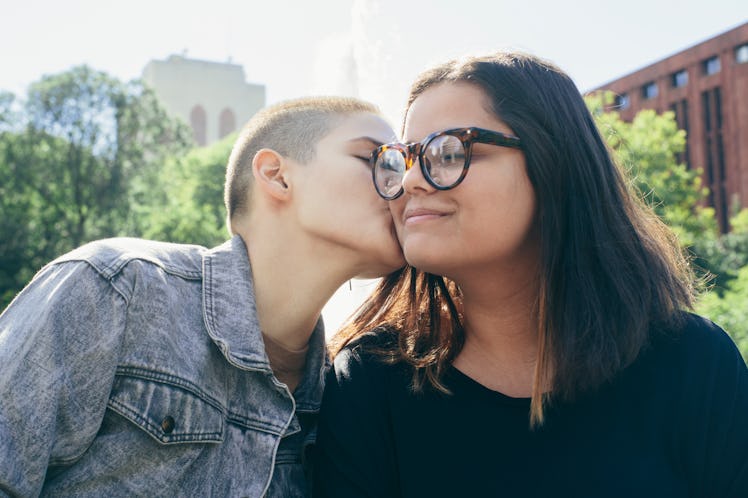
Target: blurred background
pixel 117 119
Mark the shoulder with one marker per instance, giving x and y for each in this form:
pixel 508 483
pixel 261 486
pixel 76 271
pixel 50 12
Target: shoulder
pixel 366 364
pixel 369 352
pixel 361 388
pixel 693 337
pixel 109 256
pixel 705 390
pixel 696 360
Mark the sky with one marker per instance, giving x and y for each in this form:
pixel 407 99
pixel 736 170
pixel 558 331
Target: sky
pixel 369 48
pixel 372 49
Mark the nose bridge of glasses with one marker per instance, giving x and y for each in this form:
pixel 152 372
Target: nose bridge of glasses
pixel 411 154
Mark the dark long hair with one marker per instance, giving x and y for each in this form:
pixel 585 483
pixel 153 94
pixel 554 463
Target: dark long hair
pixel 610 270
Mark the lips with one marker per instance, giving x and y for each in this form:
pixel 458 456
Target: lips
pixel 420 214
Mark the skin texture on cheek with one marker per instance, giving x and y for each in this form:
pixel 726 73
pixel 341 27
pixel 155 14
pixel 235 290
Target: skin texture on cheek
pixel 337 204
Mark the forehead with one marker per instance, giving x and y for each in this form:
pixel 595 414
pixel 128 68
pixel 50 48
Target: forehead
pixel 449 105
pixel 354 127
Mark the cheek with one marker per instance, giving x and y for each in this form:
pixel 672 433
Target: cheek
pixel 497 211
pixel 396 210
pixel 355 190
pixel 523 201
pixel 513 216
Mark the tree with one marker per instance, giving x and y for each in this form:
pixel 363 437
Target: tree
pixel 189 208
pixel 15 230
pixel 69 158
pixel 725 255
pixel 647 149
pixel 114 132
pixel 6 105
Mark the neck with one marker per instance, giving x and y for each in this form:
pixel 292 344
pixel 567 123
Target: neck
pixel 500 314
pixel 503 319
pixel 293 280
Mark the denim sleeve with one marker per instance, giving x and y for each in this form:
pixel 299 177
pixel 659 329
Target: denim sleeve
pixel 59 343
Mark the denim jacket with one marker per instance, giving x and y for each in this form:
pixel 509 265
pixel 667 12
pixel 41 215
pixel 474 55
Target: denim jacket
pixel 137 368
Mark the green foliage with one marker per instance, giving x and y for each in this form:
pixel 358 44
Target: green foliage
pixel 725 255
pixel 69 157
pixel 6 105
pixel 647 149
pixel 114 132
pixel 33 220
pixel 726 258
pixel 739 223
pixel 16 236
pixel 189 208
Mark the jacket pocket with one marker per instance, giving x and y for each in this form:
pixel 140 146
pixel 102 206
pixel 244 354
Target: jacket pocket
pixel 170 412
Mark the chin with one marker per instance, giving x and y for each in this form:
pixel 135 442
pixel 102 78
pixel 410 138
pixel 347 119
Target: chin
pixel 430 263
pixel 383 269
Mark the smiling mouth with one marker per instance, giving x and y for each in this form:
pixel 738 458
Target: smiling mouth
pixel 421 216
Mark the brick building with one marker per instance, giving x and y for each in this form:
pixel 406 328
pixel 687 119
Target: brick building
pixel 706 86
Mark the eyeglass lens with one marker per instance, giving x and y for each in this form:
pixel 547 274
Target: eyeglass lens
pixel 443 158
pixel 389 170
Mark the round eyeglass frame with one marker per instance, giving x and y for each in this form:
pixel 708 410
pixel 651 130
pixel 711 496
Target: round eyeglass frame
pixel 466 136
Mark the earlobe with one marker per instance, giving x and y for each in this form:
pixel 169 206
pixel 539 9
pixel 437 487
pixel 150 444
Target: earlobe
pixel 269 170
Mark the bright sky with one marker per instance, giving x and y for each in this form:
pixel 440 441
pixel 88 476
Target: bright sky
pixel 302 47
pixel 372 48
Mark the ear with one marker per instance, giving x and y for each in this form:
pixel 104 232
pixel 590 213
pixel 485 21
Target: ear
pixel 269 170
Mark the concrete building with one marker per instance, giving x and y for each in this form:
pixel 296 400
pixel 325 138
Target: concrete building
pixel 213 97
pixel 706 86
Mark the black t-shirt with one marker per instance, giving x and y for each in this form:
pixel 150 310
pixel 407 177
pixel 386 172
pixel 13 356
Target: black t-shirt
pixel 672 424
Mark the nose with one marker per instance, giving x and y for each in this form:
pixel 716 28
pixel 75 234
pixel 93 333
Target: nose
pixel 414 181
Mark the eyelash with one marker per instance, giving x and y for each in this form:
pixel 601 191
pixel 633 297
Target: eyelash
pixel 364 159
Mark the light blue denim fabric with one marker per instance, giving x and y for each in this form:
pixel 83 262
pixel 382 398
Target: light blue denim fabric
pixel 137 368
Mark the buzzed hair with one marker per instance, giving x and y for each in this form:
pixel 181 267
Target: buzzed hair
pixel 292 129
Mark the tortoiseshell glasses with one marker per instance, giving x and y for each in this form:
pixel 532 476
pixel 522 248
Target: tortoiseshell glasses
pixel 444 157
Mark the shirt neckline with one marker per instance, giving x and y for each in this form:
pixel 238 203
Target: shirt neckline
pixel 464 382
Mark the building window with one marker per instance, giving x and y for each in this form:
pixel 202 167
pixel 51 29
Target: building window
pixel 711 105
pixel 622 101
pixel 649 91
pixel 741 54
pixel 680 78
pixel 712 65
pixel 198 122
pixel 680 109
pixel 226 122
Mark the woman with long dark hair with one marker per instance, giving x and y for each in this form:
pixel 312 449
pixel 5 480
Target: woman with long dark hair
pixel 542 347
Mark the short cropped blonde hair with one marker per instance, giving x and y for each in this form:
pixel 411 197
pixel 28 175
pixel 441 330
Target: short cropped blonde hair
pixel 292 129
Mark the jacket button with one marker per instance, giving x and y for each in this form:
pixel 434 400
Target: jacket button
pixel 167 425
